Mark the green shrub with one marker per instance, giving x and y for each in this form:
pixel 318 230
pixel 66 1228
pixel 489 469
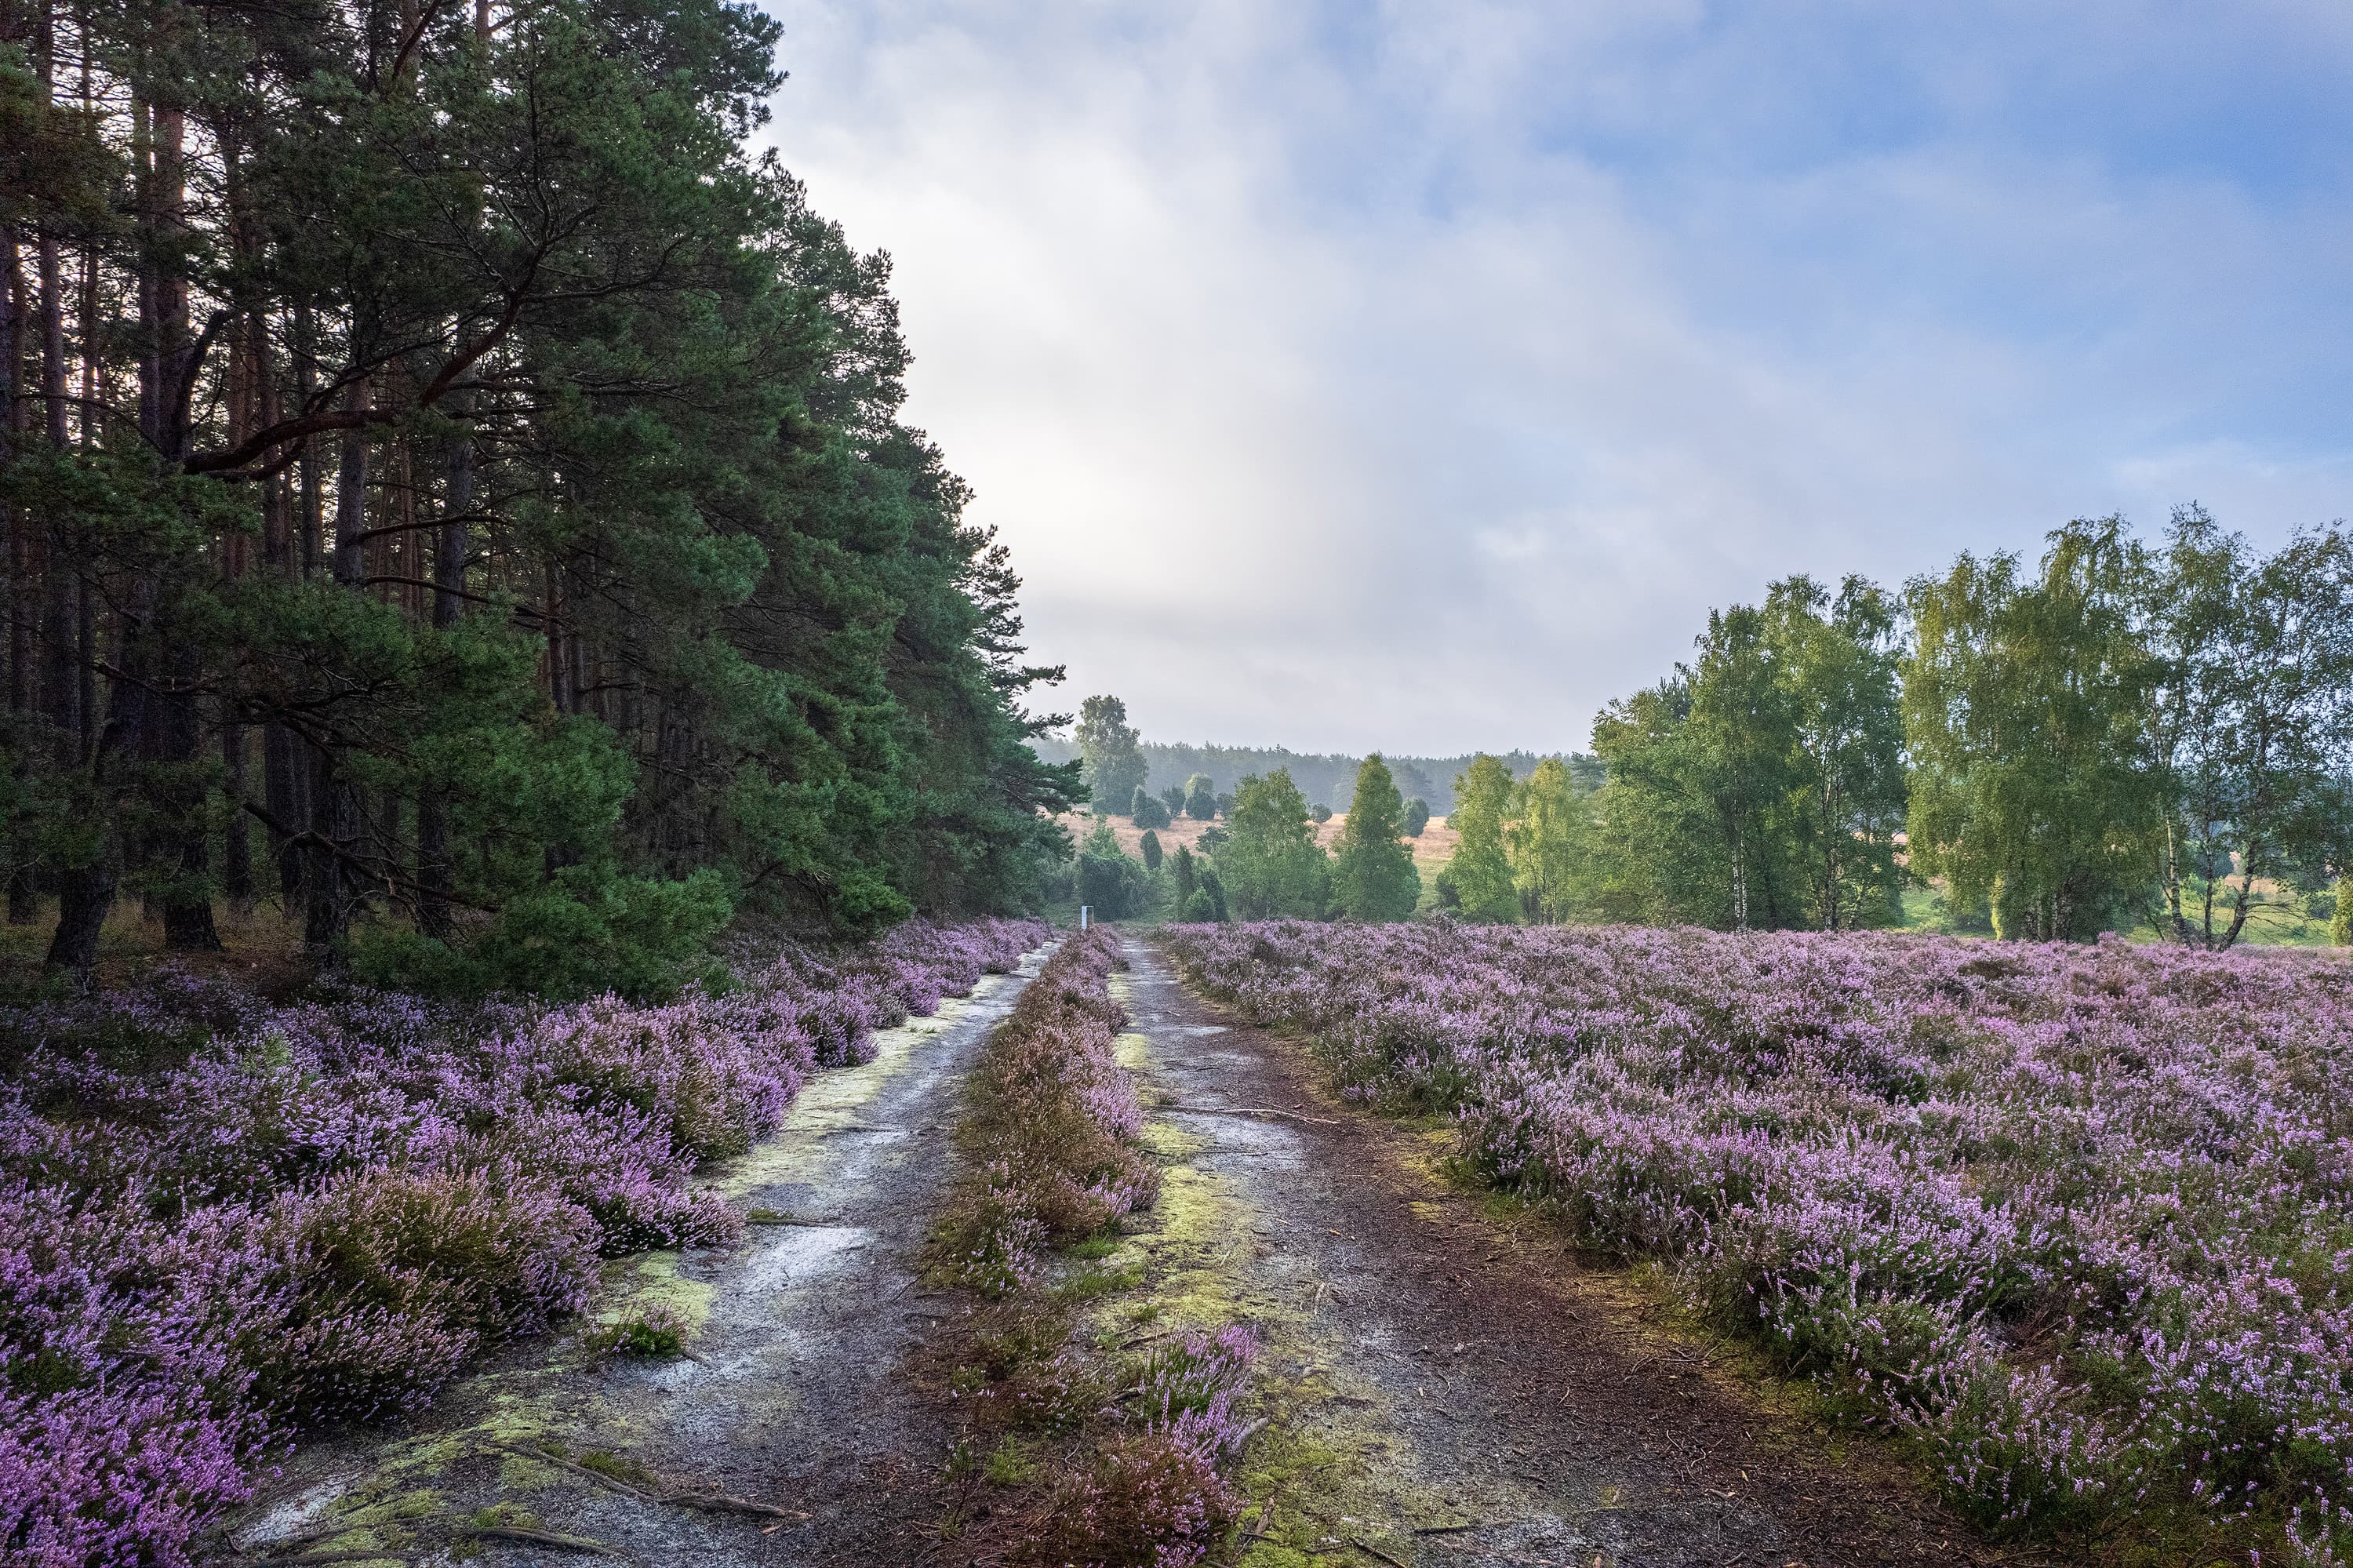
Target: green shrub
pixel 584 932
pixel 655 1334
pixel 1417 817
pixel 1214 890
pixel 1108 880
pixel 1148 810
pixel 1151 848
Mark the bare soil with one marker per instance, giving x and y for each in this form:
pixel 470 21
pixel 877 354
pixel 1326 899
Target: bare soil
pixel 1452 1384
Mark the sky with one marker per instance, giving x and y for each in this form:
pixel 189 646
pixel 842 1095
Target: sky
pixel 1415 378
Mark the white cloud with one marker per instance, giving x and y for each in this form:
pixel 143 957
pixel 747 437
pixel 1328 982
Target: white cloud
pixel 1417 378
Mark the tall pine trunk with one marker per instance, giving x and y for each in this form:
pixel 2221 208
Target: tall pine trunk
pixel 335 805
pixel 433 868
pixel 282 796
pixel 246 368
pixel 86 890
pixel 22 901
pixel 179 730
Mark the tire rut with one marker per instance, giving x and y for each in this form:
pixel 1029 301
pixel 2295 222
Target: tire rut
pixel 1451 1387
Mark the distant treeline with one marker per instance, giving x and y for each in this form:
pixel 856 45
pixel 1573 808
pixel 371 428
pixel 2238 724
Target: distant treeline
pixel 2127 734
pixel 1326 779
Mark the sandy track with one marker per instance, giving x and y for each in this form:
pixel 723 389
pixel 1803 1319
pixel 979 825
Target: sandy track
pixel 794 1399
pixel 1435 1365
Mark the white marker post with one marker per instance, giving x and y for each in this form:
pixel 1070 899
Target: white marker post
pixel 1082 917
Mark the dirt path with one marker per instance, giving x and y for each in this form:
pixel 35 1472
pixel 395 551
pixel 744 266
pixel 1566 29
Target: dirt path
pixel 1451 1387
pixel 793 1397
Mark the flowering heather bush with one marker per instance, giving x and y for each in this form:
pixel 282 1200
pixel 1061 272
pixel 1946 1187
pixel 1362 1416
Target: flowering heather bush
pixel 1155 1495
pixel 222 1222
pixel 1196 1380
pixel 1050 1135
pixel 1050 1140
pixel 2074 1218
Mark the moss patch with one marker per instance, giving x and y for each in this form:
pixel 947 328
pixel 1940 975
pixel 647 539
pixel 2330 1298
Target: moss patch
pixel 638 1285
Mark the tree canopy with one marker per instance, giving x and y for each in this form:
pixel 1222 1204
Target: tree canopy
pixel 1110 765
pixel 1269 864
pixel 2126 734
pixel 2024 701
pixel 1762 786
pixel 2253 721
pixel 1479 877
pixel 457 488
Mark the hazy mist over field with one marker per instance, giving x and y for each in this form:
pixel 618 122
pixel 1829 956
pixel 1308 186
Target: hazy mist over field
pixel 1416 376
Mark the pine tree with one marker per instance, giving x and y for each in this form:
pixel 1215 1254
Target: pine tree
pixel 1373 874
pixel 1200 798
pixel 461 429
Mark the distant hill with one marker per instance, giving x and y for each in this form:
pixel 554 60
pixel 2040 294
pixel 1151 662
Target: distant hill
pixel 1327 778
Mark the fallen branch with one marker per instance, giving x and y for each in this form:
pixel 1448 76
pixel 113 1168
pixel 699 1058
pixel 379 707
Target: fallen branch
pixel 618 1485
pixel 561 1543
pixel 715 1502
pixel 1371 1550
pixel 1464 1529
pixel 1255 1111
pixel 721 1502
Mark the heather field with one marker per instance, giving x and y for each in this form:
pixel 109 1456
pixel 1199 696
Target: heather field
pixel 2070 1221
pixel 225 1222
